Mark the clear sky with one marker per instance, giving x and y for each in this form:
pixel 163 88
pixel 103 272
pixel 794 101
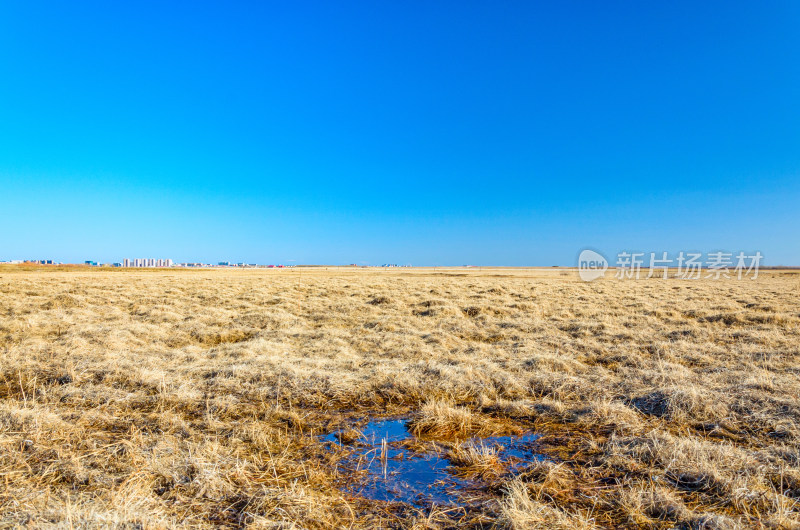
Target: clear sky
pixel 431 133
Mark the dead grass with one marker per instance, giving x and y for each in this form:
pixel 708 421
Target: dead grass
pixel 476 460
pixel 441 419
pixel 521 511
pixel 194 398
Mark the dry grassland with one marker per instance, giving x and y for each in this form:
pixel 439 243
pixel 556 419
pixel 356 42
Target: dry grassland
pixel 160 399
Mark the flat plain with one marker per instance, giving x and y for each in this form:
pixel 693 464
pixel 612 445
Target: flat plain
pixel 173 398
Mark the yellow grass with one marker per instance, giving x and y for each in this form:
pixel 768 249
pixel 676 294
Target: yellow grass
pixel 195 398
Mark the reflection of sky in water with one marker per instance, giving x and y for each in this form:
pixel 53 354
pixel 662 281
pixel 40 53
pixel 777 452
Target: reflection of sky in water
pixel 420 478
pixel 392 430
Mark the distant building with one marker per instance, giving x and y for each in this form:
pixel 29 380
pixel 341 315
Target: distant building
pixel 146 262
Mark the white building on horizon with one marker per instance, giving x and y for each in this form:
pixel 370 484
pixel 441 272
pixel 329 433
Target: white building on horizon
pixel 147 262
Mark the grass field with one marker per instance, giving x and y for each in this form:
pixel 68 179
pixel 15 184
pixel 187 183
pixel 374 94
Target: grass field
pixel 197 398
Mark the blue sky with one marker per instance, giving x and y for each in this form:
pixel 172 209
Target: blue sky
pixel 432 133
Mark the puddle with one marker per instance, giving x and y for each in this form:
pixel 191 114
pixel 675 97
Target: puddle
pixel 375 431
pixel 397 473
pixel 515 450
pixel 419 479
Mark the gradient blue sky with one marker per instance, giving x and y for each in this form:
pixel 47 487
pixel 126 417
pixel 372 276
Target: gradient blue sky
pixel 430 133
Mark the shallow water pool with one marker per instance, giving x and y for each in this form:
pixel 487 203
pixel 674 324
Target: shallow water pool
pixel 397 473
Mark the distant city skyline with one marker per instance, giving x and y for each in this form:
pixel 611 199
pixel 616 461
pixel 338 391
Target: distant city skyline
pixel 146 262
pixel 668 258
